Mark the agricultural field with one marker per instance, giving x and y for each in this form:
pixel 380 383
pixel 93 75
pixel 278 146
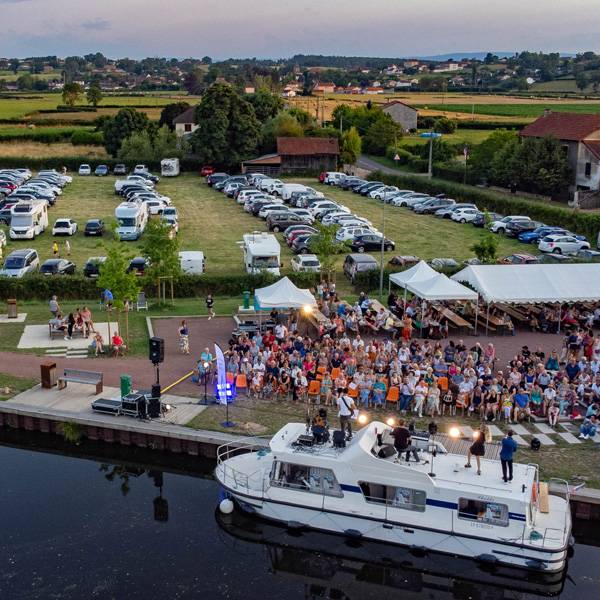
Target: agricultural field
pixel 27 149
pixel 211 222
pixel 517 110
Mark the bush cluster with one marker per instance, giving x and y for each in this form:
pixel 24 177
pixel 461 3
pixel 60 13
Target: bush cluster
pixel 84 137
pixel 579 222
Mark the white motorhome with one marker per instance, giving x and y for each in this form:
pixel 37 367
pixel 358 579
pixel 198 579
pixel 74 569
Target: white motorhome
pixel 262 253
pixel 169 167
pixel 288 188
pixel 28 219
pixel 132 219
pixel 192 262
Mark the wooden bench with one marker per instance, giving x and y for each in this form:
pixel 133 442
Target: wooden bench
pixel 55 332
pixel 453 317
pixel 377 306
pixel 79 376
pixel 544 501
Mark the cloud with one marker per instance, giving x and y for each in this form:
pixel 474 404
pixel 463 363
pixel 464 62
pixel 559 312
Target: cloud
pixel 95 24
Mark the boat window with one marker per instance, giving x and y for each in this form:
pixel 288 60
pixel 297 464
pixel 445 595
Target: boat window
pixel 398 497
pixel 483 512
pixel 304 478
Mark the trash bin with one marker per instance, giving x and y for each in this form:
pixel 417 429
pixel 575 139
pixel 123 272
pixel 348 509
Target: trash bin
pixel 246 300
pixel 125 385
pixel 48 374
pixel 12 311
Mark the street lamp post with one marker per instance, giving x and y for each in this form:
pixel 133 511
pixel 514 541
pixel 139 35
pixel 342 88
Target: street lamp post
pixel 382 249
pixel 205 365
pixel 431 135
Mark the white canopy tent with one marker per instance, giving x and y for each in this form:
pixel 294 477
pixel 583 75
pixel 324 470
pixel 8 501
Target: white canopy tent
pixel 530 284
pixel 282 294
pixel 418 272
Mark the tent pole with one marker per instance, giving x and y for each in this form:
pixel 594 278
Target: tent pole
pixel 487 318
pixel 559 317
pixel 476 314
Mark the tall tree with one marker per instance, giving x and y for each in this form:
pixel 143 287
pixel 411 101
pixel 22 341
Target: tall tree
pixel 94 94
pixel 325 246
pixel 266 105
pixel 169 112
pixel 351 147
pixel 14 65
pixel 228 130
pixel 71 93
pixel 283 125
pixel 381 134
pixel 121 126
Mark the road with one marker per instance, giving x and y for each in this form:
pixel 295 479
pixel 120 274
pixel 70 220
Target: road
pixel 371 165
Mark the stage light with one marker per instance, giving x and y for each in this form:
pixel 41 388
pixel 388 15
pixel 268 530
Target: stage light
pixel 391 421
pixel 168 406
pixel 476 434
pixel 454 432
pixel 206 364
pixel 307 309
pixel 362 419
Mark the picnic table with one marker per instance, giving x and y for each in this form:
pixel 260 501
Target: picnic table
pixel 452 317
pixel 377 306
pixel 513 312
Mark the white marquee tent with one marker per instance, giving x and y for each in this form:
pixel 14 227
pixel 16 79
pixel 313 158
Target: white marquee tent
pixel 282 294
pixel 528 284
pixel 419 272
pixel 441 287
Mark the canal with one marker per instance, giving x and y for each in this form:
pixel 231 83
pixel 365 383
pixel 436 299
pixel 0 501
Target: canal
pixel 95 521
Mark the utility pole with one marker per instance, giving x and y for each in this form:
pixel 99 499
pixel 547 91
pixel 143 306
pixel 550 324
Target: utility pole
pixel 382 250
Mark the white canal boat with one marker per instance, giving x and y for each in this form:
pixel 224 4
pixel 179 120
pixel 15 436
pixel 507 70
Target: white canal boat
pixel 434 505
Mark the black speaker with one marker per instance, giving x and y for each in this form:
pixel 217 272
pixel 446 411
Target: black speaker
pixel 535 444
pixel 386 451
pixel 155 390
pixel 339 439
pixel 157 350
pixel 153 406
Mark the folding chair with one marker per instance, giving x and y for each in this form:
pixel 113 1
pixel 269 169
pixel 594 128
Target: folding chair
pixel 443 383
pixel 335 373
pixel 393 395
pixel 241 383
pixel 142 303
pixel 314 389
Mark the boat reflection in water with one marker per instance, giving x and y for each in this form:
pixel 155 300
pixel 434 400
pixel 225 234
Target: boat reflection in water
pixel 332 566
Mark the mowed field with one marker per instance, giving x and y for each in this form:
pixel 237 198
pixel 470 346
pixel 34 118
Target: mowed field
pixel 213 223
pixel 27 149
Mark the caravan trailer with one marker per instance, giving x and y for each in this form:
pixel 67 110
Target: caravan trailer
pixel 132 219
pixel 261 253
pixel 169 167
pixel 28 219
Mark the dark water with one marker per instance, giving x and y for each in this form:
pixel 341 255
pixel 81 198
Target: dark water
pixel 96 525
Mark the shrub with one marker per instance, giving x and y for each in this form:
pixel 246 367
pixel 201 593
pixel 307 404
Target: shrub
pixel 87 138
pixel 579 222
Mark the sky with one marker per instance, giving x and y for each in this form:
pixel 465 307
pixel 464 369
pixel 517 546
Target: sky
pixel 282 28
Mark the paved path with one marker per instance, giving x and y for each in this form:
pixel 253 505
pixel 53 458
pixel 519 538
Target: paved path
pixel 371 165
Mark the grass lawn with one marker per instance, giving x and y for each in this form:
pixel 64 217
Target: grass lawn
pixel 11 386
pixel 565 461
pixel 461 136
pixel 24 130
pixel 211 222
pixel 528 110
pixel 27 149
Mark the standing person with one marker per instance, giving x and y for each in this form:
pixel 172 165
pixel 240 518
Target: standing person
pixel 54 249
pixel 477 449
pixel 68 247
pixel 346 409
pixel 70 326
pixel 403 442
pixel 184 338
pixel 54 306
pixel 209 306
pixel 509 447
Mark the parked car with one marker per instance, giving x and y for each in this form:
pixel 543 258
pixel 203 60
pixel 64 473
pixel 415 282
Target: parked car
pixel 64 227
pixel 533 237
pixel 446 212
pixel 480 219
pixel 281 221
pixel 371 241
pixel 514 228
pixel 139 169
pixel 588 255
pixel 500 226
pixel 101 171
pixel 94 227
pixel 301 243
pixel 443 263
pixel 292 230
pixel 215 178
pixel 57 266
pixel 206 170
pixel 432 204
pixel 401 261
pixel 518 259
pixel 464 215
pixel 409 200
pixel 92 266
pixel 380 193
pixel 20 262
pixel 559 243
pixel 358 263
pixel 85 170
pixel 350 233
pixel 306 263
pixel 120 169
pixel 138 265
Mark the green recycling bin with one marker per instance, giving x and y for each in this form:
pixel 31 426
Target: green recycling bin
pixel 125 385
pixel 246 300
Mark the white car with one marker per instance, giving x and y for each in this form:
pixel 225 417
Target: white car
pixel 270 185
pixel 559 243
pixel 409 199
pixel 172 221
pixel 304 213
pixel 269 209
pixel 85 170
pixel 140 169
pixel 500 226
pixel 347 234
pixel 383 192
pixel 155 207
pixel 64 227
pixel 332 217
pixel 306 263
pixel 246 194
pixel 464 215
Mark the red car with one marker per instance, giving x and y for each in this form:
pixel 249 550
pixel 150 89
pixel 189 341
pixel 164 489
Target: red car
pixel 205 171
pixel 322 176
pixel 518 259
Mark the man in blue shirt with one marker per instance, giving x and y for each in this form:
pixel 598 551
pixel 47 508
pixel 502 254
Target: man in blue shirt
pixel 521 399
pixel 509 447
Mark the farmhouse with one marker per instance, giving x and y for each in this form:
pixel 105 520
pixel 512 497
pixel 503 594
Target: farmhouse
pixel 297 155
pixel 579 135
pixel 185 123
pixel 403 114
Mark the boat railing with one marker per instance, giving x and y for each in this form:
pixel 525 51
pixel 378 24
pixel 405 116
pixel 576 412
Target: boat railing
pixel 239 480
pixel 563 490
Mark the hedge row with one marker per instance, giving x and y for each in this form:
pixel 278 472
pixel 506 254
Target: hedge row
pixel 38 287
pixel 75 135
pixel 583 223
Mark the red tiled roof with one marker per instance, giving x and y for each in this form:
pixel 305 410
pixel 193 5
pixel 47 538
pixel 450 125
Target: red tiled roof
pixel 189 116
pixel 594 147
pixel 563 126
pixel 307 145
pixel 267 159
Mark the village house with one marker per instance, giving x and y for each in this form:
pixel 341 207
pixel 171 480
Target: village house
pixel 579 134
pixel 297 155
pixel 403 114
pixel 185 123
pixel 324 88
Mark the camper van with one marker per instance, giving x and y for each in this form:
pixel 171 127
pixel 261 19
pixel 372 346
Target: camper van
pixel 261 253
pixel 289 188
pixel 132 219
pixel 192 262
pixel 169 167
pixel 28 219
